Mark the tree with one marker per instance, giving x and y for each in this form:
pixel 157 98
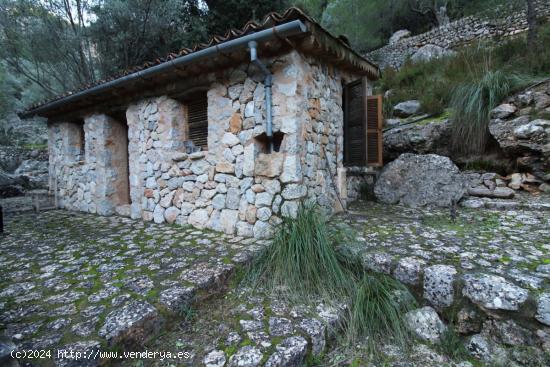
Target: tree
pixel 226 14
pixel 314 8
pixel 47 42
pixel 369 24
pixel 130 32
pixel 437 10
pixel 532 22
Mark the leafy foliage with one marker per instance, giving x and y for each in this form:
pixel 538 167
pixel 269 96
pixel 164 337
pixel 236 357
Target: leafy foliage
pixel 369 24
pixel 47 42
pixel 128 33
pixel 59 45
pixel 225 14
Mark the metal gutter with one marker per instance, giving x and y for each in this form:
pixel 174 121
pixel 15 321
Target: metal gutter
pixel 291 28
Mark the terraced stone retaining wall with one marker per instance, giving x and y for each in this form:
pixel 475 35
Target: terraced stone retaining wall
pixel 236 185
pixel 509 22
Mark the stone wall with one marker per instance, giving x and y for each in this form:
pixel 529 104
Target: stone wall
pixel 360 182
pixel 90 178
pixel 459 33
pixel 236 186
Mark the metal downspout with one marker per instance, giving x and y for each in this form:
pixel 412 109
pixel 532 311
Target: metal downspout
pixel 268 81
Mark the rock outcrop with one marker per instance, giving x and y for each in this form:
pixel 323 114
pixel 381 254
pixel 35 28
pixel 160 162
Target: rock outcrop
pixel 11 185
pixel 430 52
pixel 399 35
pixel 406 108
pixel 522 129
pixel 420 180
pixel 425 323
pixel 419 138
pixel 22 170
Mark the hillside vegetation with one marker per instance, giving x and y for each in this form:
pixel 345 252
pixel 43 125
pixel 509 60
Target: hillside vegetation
pixel 48 47
pixel 469 84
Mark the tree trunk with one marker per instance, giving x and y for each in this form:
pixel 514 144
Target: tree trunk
pixel 532 22
pixel 441 16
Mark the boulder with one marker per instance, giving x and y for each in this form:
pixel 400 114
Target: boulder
pixel 425 323
pixel 392 122
pixel 485 349
pixel 291 352
pixel 430 52
pixel 419 138
pixel 493 292
pixel 503 111
pixel 468 321
pixel 131 325
pixel 316 331
pixel 439 285
pixel 6 347
pixel 247 356
pixel 399 35
pixel 176 297
pixel 215 358
pixel 409 270
pixel 543 309
pixel 420 180
pixel 407 108
pixel 9 160
pixel 507 332
pixel 12 185
pixel 32 168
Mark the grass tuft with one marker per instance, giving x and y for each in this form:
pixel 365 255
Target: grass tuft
pixel 451 345
pixel 301 261
pixel 473 81
pixel 302 265
pixel 377 311
pixel 472 103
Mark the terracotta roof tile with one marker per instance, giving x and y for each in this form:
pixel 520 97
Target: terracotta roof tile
pixel 270 20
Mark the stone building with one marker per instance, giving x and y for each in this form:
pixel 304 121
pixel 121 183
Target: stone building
pixel 231 135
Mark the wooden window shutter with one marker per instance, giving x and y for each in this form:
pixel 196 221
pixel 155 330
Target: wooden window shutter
pixel 375 120
pixel 197 118
pixel 354 124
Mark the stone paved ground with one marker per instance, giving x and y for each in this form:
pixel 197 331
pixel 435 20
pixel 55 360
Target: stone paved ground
pixel 514 244
pixel 69 277
pixel 248 328
pixel 488 272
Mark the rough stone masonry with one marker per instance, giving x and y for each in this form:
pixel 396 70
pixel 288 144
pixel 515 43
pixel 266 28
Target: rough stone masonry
pixel 140 167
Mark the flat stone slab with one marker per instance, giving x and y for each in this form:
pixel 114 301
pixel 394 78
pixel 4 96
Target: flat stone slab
pixel 133 323
pixel 68 277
